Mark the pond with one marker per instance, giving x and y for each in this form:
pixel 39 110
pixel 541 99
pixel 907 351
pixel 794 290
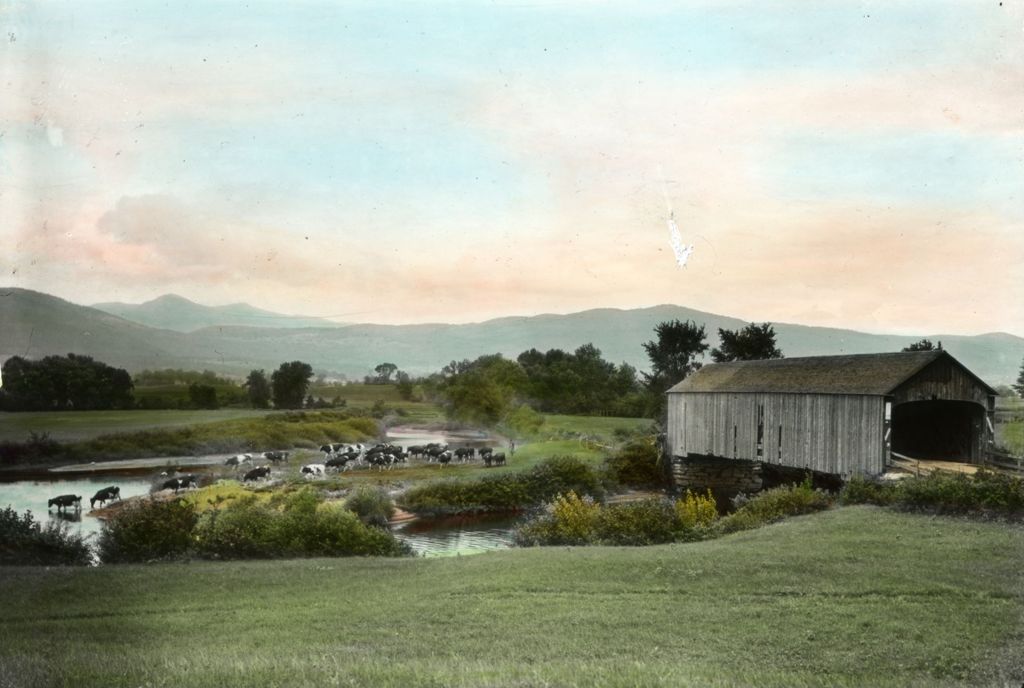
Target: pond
pixel 458 536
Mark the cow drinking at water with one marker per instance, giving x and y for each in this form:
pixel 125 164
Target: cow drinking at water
pixel 107 494
pixel 64 501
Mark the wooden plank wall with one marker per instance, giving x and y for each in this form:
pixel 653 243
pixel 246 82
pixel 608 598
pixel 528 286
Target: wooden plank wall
pixel 941 380
pixel 830 433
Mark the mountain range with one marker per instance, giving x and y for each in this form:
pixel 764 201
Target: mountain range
pixel 173 312
pixel 34 324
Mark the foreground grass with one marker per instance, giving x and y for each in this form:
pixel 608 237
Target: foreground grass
pixel 82 425
pixel 856 596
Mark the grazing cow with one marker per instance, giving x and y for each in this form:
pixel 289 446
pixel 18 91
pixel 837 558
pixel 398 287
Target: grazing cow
pixel 339 462
pixel 182 483
pixel 107 494
pixel 238 459
pixel 64 501
pixel 464 453
pixel 257 473
pixel 311 470
pixel 276 456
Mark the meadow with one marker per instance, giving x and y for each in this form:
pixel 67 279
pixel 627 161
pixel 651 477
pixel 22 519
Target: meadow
pixel 65 426
pixel 812 601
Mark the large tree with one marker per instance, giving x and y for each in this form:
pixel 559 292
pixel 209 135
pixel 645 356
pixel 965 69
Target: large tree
pixel 259 389
pixel 58 383
pixel 674 354
pixel 290 383
pixel 753 343
pixel 483 391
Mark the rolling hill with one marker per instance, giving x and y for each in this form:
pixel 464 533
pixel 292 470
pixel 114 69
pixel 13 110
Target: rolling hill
pixel 34 324
pixel 173 312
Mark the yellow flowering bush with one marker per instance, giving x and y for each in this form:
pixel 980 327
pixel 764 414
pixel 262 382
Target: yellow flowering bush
pixel 696 511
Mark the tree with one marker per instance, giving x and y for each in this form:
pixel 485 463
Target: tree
pixel 753 343
pixel 673 356
pixel 1020 382
pixel 202 396
pixel 289 384
pixel 58 383
pixel 923 345
pixel 482 391
pixel 259 389
pixel 384 372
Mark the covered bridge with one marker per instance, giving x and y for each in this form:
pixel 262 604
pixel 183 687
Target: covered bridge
pixel 832 414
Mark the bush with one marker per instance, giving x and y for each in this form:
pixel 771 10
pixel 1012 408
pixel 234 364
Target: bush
pixel 148 530
pixel 861 490
pixel 986 491
pixel 646 522
pixel 696 512
pixel 638 464
pixel 373 506
pixel 505 492
pixel 776 504
pixel 26 542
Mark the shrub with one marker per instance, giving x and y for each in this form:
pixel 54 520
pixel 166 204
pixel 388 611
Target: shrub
pixel 523 421
pixel 26 542
pixel 959 493
pixel 775 504
pixel 860 490
pixel 638 464
pixel 696 512
pixel 373 506
pixel 148 530
pixel 505 492
pixel 570 520
pixel 645 522
pixel 298 524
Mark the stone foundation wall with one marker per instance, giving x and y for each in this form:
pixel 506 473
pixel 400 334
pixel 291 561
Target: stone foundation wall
pixel 728 476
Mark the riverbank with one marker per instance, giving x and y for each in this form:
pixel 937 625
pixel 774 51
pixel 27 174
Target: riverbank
pixel 850 597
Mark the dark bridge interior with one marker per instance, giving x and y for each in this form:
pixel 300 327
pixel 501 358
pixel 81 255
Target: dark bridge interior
pixel 937 429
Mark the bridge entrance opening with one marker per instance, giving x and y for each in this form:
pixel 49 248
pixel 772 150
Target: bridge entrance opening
pixel 938 429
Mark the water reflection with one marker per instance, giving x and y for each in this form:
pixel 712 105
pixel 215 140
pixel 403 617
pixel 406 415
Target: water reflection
pixel 458 536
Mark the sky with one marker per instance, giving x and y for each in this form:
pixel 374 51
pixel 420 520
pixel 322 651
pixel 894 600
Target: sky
pixel 834 163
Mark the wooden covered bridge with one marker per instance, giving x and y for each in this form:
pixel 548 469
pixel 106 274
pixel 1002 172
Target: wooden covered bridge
pixel 840 415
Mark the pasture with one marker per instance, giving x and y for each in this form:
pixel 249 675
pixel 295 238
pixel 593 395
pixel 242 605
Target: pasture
pixel 818 600
pixel 67 426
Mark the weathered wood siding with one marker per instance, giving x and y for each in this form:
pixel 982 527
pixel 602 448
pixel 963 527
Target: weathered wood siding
pixel 943 379
pixel 830 433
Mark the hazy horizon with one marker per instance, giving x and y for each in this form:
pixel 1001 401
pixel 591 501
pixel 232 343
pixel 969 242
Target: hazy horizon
pixel 847 164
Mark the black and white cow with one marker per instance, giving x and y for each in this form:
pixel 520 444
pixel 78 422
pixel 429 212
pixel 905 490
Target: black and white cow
pixel 340 462
pixel 64 501
pixel 312 470
pixel 107 494
pixel 276 456
pixel 444 458
pixel 465 453
pixel 257 473
pixel 238 459
pixel 182 483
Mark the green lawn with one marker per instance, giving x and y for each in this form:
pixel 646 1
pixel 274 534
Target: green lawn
pixel 80 425
pixel 852 597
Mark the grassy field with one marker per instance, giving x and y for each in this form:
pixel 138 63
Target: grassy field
pixel 851 597
pixel 80 425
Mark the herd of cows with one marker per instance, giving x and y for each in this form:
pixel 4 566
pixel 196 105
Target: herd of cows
pixel 337 457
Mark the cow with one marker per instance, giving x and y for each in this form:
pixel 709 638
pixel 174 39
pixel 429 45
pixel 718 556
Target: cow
pixel 485 452
pixel 464 453
pixel 311 470
pixel 182 483
pixel 498 459
pixel 434 451
pixel 64 501
pixel 276 456
pixel 238 459
pixel 444 458
pixel 339 462
pixel 107 494
pixel 257 473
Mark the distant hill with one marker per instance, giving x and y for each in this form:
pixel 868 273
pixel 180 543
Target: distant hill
pixel 34 324
pixel 172 312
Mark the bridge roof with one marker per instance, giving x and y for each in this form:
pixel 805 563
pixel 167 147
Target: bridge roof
pixel 867 374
